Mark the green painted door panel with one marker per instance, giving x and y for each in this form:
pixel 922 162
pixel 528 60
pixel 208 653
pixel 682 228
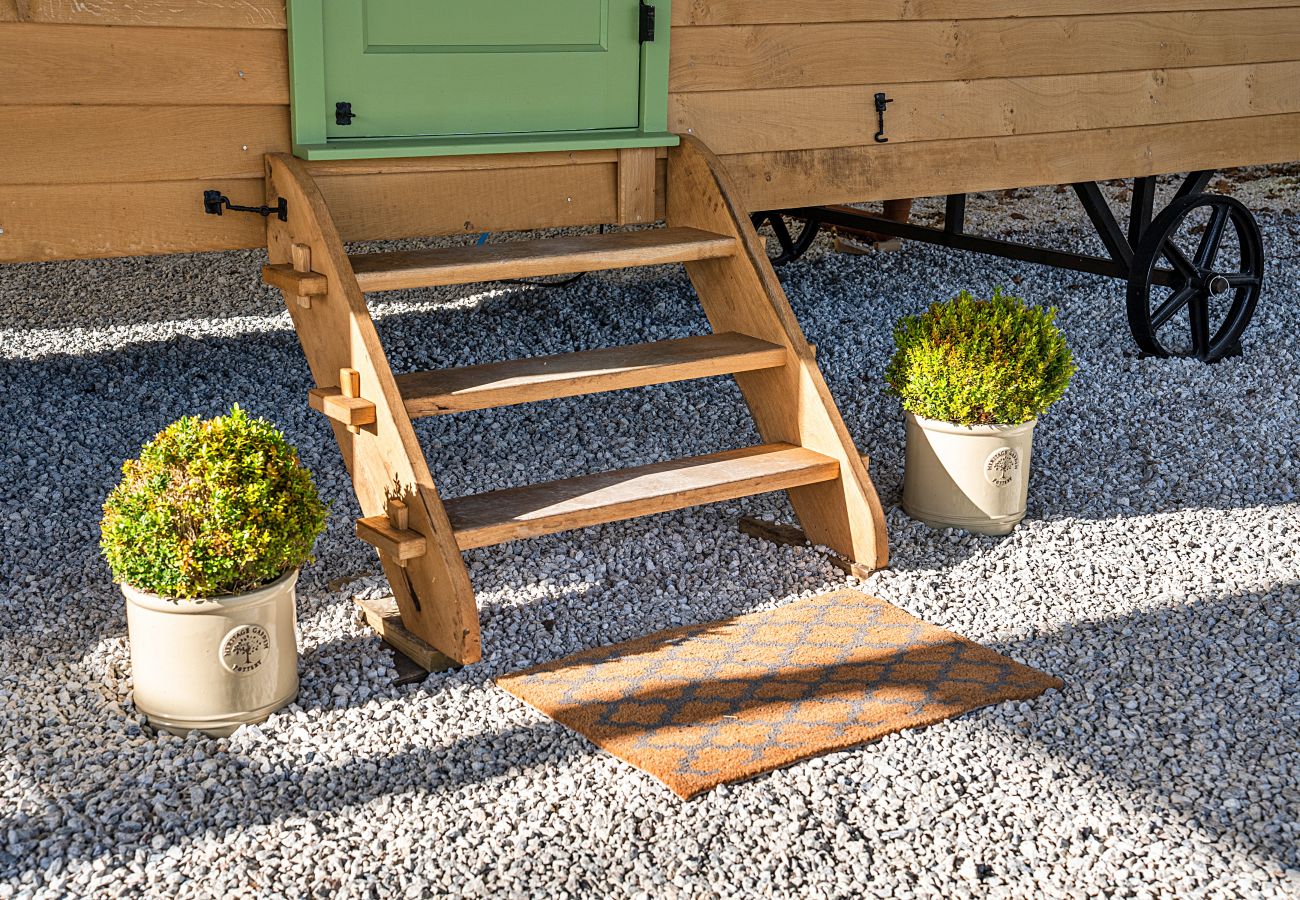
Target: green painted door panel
pixel 484 67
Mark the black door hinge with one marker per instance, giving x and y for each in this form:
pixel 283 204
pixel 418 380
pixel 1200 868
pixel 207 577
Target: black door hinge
pixel 215 203
pixel 343 114
pixel 647 22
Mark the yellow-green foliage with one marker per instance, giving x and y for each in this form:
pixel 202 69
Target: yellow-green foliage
pixel 211 507
pixel 980 362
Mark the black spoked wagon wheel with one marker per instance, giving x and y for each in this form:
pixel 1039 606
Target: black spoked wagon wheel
pixel 789 245
pixel 1200 305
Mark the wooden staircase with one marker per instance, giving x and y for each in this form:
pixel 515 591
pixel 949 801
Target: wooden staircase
pixel 756 340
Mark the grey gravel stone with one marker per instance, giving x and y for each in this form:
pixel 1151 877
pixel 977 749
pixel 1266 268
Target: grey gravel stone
pixel 1157 574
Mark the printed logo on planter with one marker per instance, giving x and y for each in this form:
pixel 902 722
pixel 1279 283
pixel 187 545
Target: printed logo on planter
pixel 1001 467
pixel 245 648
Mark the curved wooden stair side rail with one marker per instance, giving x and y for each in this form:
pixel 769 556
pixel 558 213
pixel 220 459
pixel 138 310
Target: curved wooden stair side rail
pixel 384 458
pixel 790 404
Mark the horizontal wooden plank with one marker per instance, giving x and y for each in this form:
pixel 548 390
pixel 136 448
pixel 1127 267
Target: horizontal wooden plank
pixel 883 171
pixel 412 165
pixel 844 116
pixel 588 372
pixel 139 218
pixel 123 219
pixel 167 13
pixel 746 57
pixel 565 255
pixel 373 207
pixel 749 12
pixel 95 144
pixel 85 64
pixel 485 519
pixel 270 13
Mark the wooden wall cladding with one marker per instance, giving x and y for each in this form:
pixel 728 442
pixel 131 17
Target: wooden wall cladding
pixel 758 12
pixel 746 57
pixel 115 115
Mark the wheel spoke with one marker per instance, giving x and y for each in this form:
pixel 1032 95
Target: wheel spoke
pixel 1166 310
pixel 1213 236
pixel 1242 279
pixel 782 233
pixel 1182 265
pixel 1198 313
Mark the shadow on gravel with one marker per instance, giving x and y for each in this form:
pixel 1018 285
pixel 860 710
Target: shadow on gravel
pixel 1145 728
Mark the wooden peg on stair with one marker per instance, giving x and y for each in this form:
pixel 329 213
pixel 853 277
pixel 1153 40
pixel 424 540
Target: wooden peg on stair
pixel 300 255
pixel 350 388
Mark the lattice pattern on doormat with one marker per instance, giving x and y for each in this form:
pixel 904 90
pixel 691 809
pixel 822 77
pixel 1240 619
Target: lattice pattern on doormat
pixel 706 704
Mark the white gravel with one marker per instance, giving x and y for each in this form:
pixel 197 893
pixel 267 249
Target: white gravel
pixel 1157 574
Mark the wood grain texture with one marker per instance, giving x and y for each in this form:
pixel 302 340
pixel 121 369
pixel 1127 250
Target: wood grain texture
pixel 746 12
pixel 123 219
pixel 100 144
pixel 535 258
pixel 166 13
pixel 372 207
pixel 86 64
pixel 381 614
pixel 384 459
pixel 588 372
pixel 72 221
pixel 636 185
pixel 399 544
pixel 771 56
pixel 482 520
pixel 843 116
pixel 880 172
pixel 353 412
pixel 9 11
pixel 791 404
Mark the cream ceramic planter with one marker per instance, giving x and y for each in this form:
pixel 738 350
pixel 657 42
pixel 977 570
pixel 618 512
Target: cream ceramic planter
pixel 973 477
pixel 213 664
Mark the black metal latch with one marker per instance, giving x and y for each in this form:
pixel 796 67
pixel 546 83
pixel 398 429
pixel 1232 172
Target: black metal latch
pixel 647 22
pixel 343 114
pixel 216 203
pixel 881 102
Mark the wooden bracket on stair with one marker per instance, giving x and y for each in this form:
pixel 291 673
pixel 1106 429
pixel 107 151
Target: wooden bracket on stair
pixel 391 534
pixel 344 403
pixel 296 278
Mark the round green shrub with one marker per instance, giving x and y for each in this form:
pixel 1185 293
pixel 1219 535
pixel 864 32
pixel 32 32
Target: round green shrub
pixel 980 362
pixel 212 507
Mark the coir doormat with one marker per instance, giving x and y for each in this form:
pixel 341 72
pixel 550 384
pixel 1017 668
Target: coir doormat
pixel 706 704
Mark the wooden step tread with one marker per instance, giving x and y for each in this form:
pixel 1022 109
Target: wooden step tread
pixel 529 259
pixel 589 372
pixel 498 516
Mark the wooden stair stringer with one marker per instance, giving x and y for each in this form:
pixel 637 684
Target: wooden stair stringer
pixel 792 404
pixel 433 590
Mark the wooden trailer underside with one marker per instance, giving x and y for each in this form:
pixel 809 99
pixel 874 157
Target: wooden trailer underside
pixel 116 116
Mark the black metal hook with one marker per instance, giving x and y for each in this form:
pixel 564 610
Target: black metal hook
pixel 881 101
pixel 215 203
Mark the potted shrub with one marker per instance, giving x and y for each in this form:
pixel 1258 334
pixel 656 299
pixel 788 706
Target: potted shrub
pixel 205 534
pixel 973 377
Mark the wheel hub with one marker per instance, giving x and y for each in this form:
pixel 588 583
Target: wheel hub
pixel 1216 285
